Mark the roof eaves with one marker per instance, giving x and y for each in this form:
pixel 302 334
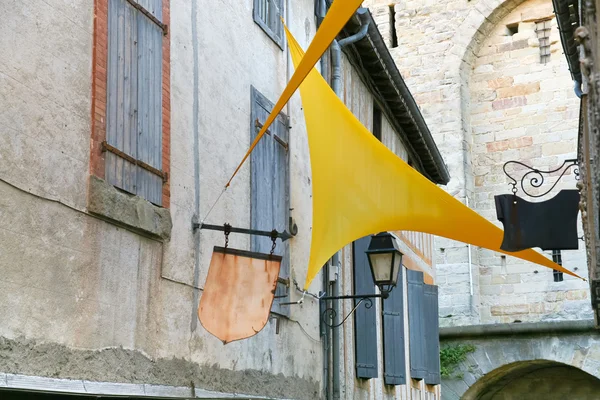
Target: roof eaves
pixel 371 56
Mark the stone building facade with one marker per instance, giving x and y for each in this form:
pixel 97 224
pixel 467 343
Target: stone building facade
pixel 101 269
pixel 494 86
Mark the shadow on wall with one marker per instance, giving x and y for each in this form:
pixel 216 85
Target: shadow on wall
pixel 537 379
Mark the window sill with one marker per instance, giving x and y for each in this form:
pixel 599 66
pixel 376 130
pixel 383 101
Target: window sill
pixel 278 39
pixel 128 210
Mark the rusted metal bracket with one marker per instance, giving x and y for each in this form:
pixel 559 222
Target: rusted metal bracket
pixel 141 164
pixel 259 126
pixel 285 235
pixel 284 281
pixel 148 14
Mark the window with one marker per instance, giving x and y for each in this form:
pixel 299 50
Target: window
pixel 377 121
pixel 267 14
pixel 393 35
pixel 365 319
pixel 270 190
pixel 130 138
pixel 557 258
pixel 512 29
pixel 542 29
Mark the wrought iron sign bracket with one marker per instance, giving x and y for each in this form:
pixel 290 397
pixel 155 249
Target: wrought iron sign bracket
pixel 535 176
pixel 284 235
pixel 329 314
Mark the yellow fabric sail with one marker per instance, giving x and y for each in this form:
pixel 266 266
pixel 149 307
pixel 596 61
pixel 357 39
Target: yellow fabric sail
pixel 337 16
pixel 360 187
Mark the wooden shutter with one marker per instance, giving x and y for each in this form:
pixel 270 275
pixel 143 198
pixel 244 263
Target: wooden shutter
pixel 267 14
pixel 432 334
pixel 269 181
pixel 394 366
pixel 416 325
pixel 134 99
pixel 365 319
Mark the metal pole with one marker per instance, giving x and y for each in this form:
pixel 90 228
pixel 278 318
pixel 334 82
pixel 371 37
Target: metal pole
pixel 470 264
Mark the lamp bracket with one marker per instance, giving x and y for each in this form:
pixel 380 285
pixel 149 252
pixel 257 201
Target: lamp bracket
pixel 535 176
pixel 328 316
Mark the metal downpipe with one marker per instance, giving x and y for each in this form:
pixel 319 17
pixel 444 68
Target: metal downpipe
pixel 335 342
pixel 326 333
pixel 336 57
pixel 336 85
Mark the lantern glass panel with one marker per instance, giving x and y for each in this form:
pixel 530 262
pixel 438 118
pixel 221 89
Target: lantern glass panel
pixel 381 264
pixel 397 266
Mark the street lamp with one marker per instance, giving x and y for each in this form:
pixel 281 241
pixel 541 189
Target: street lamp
pixel 385 260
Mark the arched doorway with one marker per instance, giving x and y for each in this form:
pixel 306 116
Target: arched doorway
pixel 539 379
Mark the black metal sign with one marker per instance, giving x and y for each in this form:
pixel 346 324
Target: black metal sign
pixel 550 224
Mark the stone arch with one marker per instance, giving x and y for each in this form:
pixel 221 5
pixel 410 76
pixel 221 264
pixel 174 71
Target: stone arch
pixel 498 361
pixel 478 24
pixel 472 32
pixel 535 379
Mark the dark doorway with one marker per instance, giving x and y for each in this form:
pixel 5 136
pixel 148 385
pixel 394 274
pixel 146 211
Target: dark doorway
pixel 538 379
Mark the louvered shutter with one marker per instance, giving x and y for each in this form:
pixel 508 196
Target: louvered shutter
pixel 365 319
pixel 432 335
pixel 267 14
pixel 269 181
pixel 416 325
pixel 394 366
pixel 134 99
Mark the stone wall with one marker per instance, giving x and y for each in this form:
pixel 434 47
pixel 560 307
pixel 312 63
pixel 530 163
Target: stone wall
pixel 499 360
pixel 526 110
pixel 488 99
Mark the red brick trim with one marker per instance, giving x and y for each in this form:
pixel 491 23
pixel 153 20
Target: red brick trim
pixel 99 66
pixel 99 63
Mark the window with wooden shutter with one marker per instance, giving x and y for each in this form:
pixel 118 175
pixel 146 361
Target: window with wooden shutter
pixel 365 319
pixel 432 334
pixel 377 121
pixel 394 365
pixel 270 198
pixel 267 14
pixel 416 325
pixel 134 107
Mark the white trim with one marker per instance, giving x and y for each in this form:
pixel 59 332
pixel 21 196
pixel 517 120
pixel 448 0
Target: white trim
pixel 72 386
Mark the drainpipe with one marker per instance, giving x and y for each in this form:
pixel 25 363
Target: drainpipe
pixel 325 58
pixel 470 263
pixel 336 56
pixel 335 340
pixel 326 333
pixel 336 85
pixel 196 147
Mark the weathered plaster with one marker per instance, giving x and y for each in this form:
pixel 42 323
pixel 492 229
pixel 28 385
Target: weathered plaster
pixel 121 365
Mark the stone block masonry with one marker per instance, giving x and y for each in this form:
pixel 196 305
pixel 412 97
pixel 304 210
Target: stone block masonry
pixel 476 72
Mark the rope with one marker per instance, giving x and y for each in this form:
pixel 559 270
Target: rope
pixel 213 206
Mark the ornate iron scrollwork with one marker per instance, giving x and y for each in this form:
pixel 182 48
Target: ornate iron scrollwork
pixel 535 176
pixel 329 314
